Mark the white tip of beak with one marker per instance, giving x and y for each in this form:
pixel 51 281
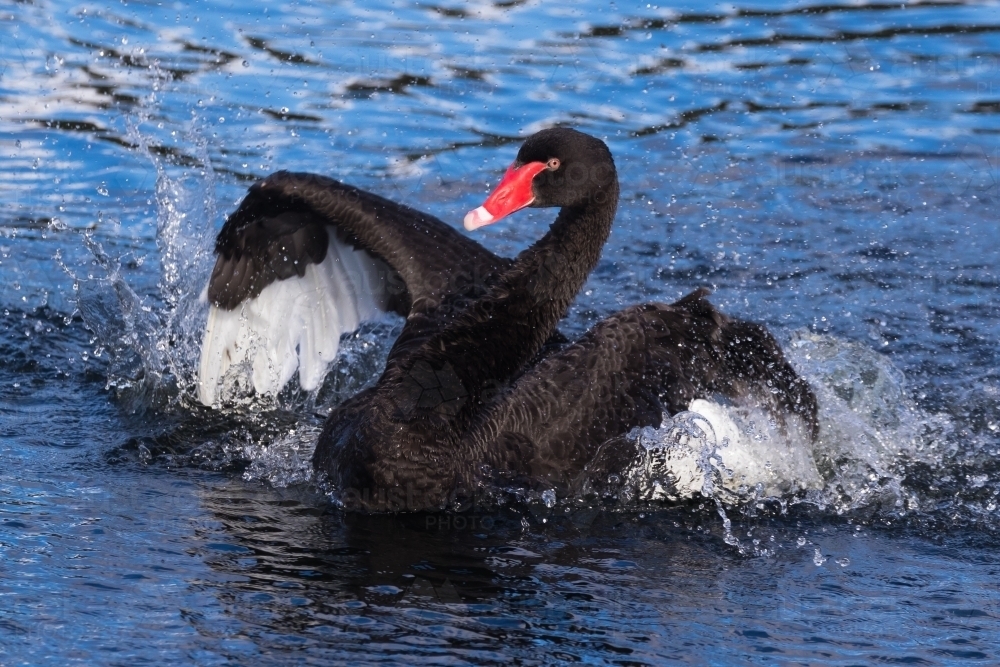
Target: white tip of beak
pixel 477 218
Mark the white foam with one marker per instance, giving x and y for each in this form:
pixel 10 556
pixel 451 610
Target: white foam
pixel 733 450
pixel 868 428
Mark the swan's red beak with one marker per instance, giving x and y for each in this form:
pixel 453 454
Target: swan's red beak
pixel 513 194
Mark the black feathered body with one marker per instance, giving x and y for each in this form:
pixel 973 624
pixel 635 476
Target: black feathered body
pixel 478 386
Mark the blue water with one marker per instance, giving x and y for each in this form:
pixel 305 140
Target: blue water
pixel 831 170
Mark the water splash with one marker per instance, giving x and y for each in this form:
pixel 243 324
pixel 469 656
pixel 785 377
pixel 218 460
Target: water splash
pixel 871 430
pixel 879 456
pixel 284 461
pixel 153 340
pixel 127 327
pixel 186 212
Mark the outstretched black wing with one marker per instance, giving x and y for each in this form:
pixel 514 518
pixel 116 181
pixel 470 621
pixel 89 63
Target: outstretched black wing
pixel 305 258
pixel 287 220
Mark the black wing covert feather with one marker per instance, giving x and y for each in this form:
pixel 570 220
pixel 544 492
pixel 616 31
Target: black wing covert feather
pixel 284 222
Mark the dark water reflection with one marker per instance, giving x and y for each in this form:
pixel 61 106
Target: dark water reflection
pixel 604 587
pixel 826 167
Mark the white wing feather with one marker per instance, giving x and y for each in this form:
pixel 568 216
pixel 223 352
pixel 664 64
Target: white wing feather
pixel 293 324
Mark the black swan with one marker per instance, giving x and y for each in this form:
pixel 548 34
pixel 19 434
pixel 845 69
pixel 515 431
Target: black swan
pixel 479 385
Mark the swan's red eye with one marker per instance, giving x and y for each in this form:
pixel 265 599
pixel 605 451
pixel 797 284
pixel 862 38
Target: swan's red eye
pixel 553 163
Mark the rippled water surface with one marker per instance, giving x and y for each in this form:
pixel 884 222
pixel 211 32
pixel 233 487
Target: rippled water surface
pixel 828 169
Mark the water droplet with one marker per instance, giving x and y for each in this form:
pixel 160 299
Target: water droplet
pixel 549 498
pixel 818 558
pixel 102 190
pixel 843 562
pixel 801 541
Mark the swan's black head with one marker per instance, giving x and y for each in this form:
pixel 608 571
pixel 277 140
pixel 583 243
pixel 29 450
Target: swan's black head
pixel 555 167
pixel 579 167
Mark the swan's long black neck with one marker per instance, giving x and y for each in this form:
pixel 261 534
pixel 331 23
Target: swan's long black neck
pixel 554 269
pixel 500 333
